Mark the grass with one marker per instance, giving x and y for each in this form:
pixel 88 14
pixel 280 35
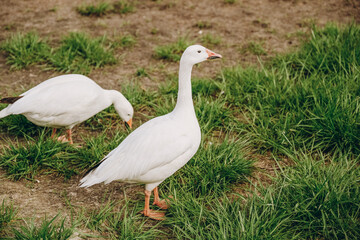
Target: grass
pixel 124 41
pixel 78 52
pixel 47 156
pixel 47 230
pixel 23 50
pixel 289 104
pixel 253 48
pixel 124 6
pixel 230 1
pixel 172 52
pixel 103 8
pixel 18 125
pixel 119 220
pixel 7 215
pixel 315 199
pixel 212 171
pixel 97 10
pixel 204 25
pixel 26 161
pixel 210 40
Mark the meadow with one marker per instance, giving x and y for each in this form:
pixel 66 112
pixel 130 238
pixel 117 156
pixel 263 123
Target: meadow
pixel 296 112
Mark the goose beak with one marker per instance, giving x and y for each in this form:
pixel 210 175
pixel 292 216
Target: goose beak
pixel 212 55
pixel 129 123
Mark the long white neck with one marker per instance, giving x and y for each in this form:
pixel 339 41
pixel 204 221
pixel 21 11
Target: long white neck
pixel 116 98
pixel 184 100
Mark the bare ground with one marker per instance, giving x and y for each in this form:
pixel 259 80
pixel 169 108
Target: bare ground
pixel 271 22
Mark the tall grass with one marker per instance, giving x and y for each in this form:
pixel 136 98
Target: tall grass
pixel 307 98
pixel 47 230
pixel 213 170
pixel 119 220
pixel 26 161
pixel 78 53
pixel 18 125
pixel 44 155
pixel 315 199
pixel 23 50
pixel 7 214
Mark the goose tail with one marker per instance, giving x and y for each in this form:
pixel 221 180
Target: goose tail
pixel 4 113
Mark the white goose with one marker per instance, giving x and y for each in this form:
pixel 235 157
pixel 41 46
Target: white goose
pixel 65 101
pixel 161 146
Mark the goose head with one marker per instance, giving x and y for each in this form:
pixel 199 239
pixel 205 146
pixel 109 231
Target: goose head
pixel 196 53
pixel 123 107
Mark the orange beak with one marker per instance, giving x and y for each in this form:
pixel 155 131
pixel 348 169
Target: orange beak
pixel 212 55
pixel 129 123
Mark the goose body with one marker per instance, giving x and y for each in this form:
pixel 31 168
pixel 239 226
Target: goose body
pixel 65 101
pixel 167 143
pixel 159 147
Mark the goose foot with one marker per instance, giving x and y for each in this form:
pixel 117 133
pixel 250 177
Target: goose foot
pixel 156 215
pixel 63 139
pixel 162 204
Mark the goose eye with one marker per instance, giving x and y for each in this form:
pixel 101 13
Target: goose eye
pixel 199 51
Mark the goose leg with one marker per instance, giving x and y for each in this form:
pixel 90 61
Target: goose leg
pixel 160 203
pixel 53 133
pixel 151 213
pixel 69 136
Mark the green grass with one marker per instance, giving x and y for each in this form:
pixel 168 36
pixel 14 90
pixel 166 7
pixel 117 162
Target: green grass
pixel 173 51
pixel 48 229
pixel 212 171
pixel 230 1
pixel 204 25
pixel 23 50
pixel 124 41
pixel 27 160
pixel 97 10
pixel 103 8
pixel 18 125
pixel 120 220
pixel 105 120
pixel 124 6
pixel 252 47
pixel 79 53
pixel 44 155
pixel 7 215
pixel 210 40
pixel 289 104
pixel 314 56
pixel 315 199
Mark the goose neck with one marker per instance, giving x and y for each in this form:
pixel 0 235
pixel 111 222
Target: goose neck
pixel 184 93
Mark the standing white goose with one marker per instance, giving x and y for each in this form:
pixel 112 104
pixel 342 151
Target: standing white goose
pixel 161 146
pixel 65 101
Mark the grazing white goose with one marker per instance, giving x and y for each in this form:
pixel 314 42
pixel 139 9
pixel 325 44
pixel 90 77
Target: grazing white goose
pixel 159 147
pixel 65 101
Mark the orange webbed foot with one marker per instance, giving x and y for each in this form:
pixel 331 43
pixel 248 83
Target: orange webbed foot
pixel 156 215
pixel 63 139
pixel 163 204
